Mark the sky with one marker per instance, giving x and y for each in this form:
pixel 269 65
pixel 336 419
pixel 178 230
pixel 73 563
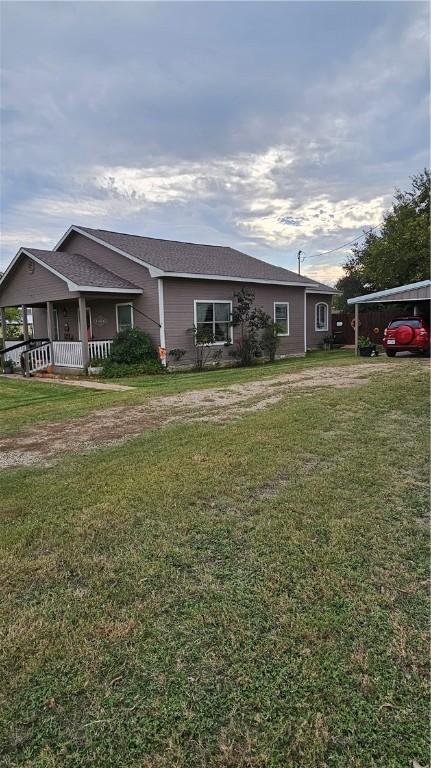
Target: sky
pixel 269 127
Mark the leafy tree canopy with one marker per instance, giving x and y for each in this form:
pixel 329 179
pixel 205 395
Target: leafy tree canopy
pixel 400 253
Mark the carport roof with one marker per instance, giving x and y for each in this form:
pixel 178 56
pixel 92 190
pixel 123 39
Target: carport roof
pixel 420 291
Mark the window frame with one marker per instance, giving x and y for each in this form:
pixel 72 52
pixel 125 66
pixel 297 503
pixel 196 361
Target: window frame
pixel 283 304
pixel 124 304
pixel 214 301
pixel 324 304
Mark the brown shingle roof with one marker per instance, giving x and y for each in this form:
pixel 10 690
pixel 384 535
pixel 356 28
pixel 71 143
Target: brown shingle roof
pixel 81 270
pixel 195 258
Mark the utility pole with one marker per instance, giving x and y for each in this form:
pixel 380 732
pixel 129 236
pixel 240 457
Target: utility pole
pixel 299 262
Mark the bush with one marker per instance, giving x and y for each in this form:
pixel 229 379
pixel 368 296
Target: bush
pixel 132 346
pixel 113 370
pixel 177 354
pixel 270 340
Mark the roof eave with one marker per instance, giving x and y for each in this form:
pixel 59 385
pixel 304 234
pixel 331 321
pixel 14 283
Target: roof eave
pixel 379 297
pixel 323 290
pixel 234 279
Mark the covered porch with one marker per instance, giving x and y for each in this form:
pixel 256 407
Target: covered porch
pixel 68 334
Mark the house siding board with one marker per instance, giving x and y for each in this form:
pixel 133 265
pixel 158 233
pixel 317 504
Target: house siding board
pixel 40 323
pixel 24 287
pixel 147 302
pixel 314 338
pixel 179 297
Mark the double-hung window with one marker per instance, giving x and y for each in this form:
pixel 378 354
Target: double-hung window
pixel 124 317
pixel 213 321
pixel 281 317
pixel 322 316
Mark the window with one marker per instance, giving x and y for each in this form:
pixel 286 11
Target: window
pixel 281 317
pixel 214 319
pixel 124 317
pixel 407 321
pixel 321 317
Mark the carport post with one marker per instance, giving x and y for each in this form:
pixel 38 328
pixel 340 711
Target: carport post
pixel 356 328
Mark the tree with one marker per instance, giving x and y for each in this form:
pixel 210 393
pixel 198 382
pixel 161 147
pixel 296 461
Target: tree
pixel 14 322
pixel 400 253
pixel 350 285
pixel 251 320
pixel 204 340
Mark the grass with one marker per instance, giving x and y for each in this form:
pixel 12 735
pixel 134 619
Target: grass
pixel 252 595
pixel 23 403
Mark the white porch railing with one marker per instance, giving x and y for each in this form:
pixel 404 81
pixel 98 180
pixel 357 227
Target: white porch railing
pixel 39 358
pixel 99 350
pixel 69 353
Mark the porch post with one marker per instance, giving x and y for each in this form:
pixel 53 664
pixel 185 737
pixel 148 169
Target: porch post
pixel 24 322
pixel 356 328
pixel 3 323
pixel 50 320
pixel 83 331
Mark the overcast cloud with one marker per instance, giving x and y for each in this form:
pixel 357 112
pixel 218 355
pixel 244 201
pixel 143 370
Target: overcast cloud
pixel 266 126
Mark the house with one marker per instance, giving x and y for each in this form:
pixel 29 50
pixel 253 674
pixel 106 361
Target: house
pixel 96 282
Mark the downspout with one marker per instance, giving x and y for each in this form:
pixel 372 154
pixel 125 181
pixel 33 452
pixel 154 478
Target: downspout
pixel 162 321
pixel 305 321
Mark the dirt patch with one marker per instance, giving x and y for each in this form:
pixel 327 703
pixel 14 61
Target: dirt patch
pixel 46 443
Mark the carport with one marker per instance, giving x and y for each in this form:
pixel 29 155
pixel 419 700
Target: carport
pixel 414 293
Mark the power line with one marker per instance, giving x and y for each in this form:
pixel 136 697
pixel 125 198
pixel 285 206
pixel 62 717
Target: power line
pixel 338 248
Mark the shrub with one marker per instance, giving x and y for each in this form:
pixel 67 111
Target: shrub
pixel 113 370
pixel 270 341
pixel 204 340
pixel 177 353
pixel 132 346
pixel 245 350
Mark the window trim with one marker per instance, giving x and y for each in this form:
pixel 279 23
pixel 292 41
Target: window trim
pixel 283 304
pixel 214 301
pixel 124 304
pixel 318 304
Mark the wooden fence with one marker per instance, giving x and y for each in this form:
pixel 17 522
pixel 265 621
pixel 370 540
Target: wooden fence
pixel 372 323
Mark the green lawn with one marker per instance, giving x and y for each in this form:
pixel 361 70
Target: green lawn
pixel 23 403
pixel 245 595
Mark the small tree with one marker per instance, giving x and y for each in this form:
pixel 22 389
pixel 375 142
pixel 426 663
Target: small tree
pixel 204 339
pixel 251 320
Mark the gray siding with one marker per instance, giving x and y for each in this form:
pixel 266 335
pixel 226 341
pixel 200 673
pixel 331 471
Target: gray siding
pixel 179 296
pixel 315 338
pixel 25 287
pixel 148 302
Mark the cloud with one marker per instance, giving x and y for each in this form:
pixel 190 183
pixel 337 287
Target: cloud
pixel 260 125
